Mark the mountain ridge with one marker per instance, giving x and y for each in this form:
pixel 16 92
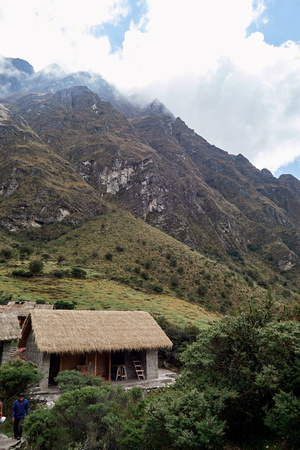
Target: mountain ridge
pixel 151 162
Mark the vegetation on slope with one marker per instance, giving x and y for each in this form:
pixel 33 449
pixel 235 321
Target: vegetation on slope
pixel 117 261
pixel 239 389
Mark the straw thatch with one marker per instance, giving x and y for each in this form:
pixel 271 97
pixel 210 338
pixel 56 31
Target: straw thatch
pixel 9 327
pixel 63 331
pixel 22 309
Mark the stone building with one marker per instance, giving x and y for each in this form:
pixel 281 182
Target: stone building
pixel 21 309
pixel 9 332
pixel 116 345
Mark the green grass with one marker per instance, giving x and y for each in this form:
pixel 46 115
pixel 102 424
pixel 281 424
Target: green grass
pixel 193 288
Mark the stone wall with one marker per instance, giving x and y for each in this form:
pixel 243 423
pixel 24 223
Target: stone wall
pixel 5 348
pixel 42 360
pixel 151 364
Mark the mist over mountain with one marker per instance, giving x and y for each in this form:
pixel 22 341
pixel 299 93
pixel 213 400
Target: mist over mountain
pixel 71 143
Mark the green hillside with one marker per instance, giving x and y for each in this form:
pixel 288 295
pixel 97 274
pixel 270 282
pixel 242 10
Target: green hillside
pixel 128 264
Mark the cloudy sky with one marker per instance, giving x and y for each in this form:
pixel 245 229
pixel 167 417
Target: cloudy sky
pixel 229 68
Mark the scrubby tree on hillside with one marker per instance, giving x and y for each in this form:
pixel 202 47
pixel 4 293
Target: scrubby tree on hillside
pixel 256 357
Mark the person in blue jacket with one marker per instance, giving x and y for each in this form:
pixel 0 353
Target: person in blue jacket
pixel 20 409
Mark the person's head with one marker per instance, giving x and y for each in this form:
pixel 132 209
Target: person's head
pixel 21 397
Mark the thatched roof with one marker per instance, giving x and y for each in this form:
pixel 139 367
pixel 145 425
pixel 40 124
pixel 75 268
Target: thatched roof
pixel 22 309
pixel 65 331
pixel 9 327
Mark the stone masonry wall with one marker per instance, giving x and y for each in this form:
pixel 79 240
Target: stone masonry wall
pixel 5 351
pixel 152 364
pixel 42 360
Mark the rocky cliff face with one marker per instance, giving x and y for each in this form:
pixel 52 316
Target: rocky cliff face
pixel 36 185
pixel 64 153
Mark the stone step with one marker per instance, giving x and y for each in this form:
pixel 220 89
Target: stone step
pixel 7 443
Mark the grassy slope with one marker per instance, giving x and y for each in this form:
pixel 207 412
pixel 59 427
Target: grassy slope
pixel 195 287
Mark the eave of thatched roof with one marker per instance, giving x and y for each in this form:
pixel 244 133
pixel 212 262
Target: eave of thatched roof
pixel 63 331
pixel 9 327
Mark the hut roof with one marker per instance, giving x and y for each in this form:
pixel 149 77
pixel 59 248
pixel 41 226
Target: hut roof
pixel 9 327
pixel 64 331
pixel 22 309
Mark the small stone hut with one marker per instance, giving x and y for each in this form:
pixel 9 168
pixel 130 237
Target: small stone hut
pixel 96 342
pixel 21 309
pixel 9 332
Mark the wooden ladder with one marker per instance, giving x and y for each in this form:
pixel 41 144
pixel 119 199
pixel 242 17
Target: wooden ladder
pixel 138 369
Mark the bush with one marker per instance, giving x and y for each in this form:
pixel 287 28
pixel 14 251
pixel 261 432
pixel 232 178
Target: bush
pixel 21 273
pixel 202 290
pixel 180 270
pixel 6 253
pixel 283 418
pixel 25 251
pixel 39 301
pixel 59 273
pixel 5 298
pixel 36 267
pixel 16 376
pixel 157 288
pixel 60 259
pixel 61 304
pixel 108 256
pixel 255 356
pixel 174 282
pixel 91 417
pixel 184 420
pixel 68 380
pixel 78 273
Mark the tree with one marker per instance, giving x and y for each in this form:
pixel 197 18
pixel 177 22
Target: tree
pixel 17 376
pixel 185 419
pixel 255 355
pixel 36 267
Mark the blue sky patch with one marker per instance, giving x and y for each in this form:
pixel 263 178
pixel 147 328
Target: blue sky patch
pixel 116 31
pixel 283 22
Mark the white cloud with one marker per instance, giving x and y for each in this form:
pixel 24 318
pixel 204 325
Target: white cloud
pixel 238 92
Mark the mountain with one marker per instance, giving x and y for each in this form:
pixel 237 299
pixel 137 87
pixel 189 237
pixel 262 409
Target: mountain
pixel 71 144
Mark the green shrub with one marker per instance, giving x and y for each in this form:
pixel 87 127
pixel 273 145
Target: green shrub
pixel 60 259
pixel 61 304
pixel 16 376
pixel 145 275
pixel 5 298
pixel 68 380
pixel 108 256
pixel 173 262
pixel 202 290
pixel 255 356
pixel 59 273
pixel 36 267
pixel 92 418
pixel 21 273
pixel 78 273
pixel 180 270
pixel 40 301
pixel 157 288
pixel 25 251
pixel 284 416
pixel 186 419
pixel 174 282
pixel 6 253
